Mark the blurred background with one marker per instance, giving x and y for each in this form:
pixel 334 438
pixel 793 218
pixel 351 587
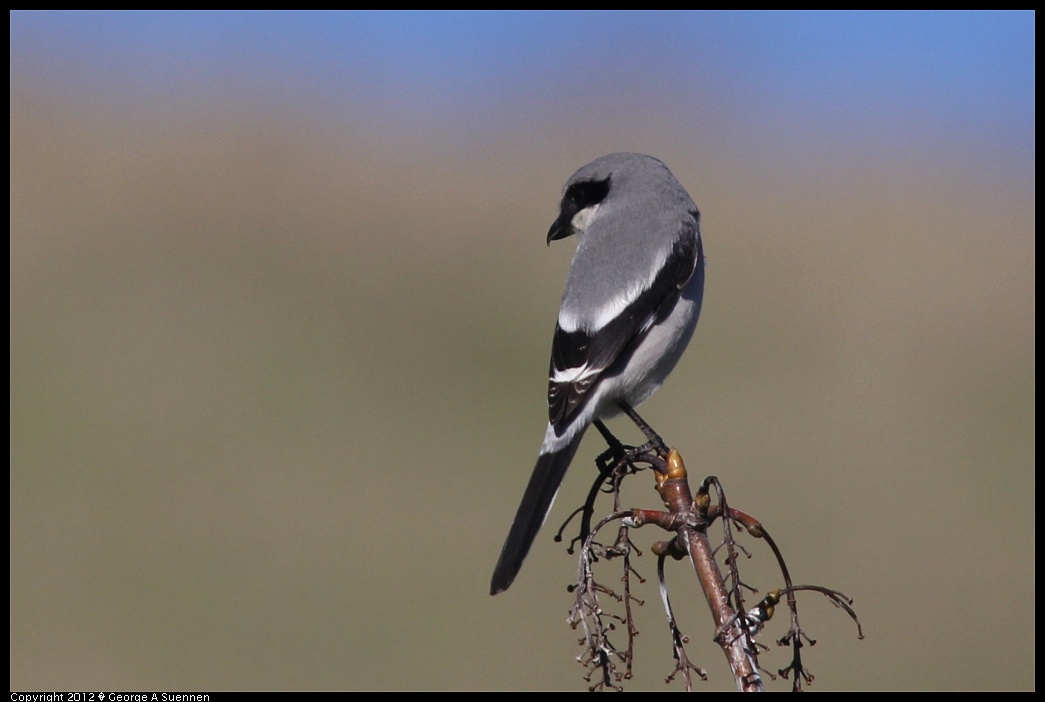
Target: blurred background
pixel 281 309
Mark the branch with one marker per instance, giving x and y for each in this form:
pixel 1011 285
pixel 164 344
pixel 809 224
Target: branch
pixel 688 518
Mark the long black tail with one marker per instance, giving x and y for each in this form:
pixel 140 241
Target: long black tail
pixel 536 502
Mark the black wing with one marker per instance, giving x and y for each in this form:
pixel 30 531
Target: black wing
pixel 586 355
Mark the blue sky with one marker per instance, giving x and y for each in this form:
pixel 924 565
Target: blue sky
pixel 969 70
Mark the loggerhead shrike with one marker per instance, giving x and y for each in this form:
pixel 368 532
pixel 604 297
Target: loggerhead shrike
pixel 631 303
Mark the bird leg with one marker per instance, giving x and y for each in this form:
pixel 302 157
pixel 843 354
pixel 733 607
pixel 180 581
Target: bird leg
pixel 616 447
pixel 655 442
pixel 617 451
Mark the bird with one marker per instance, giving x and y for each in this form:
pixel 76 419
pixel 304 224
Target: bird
pixel 631 302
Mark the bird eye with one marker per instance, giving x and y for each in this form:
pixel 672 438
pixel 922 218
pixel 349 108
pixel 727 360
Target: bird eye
pixel 587 193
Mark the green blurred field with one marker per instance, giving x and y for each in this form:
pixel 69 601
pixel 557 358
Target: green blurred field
pixel 277 384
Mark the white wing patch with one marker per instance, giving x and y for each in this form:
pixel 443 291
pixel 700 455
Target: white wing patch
pixel 570 376
pixel 594 320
